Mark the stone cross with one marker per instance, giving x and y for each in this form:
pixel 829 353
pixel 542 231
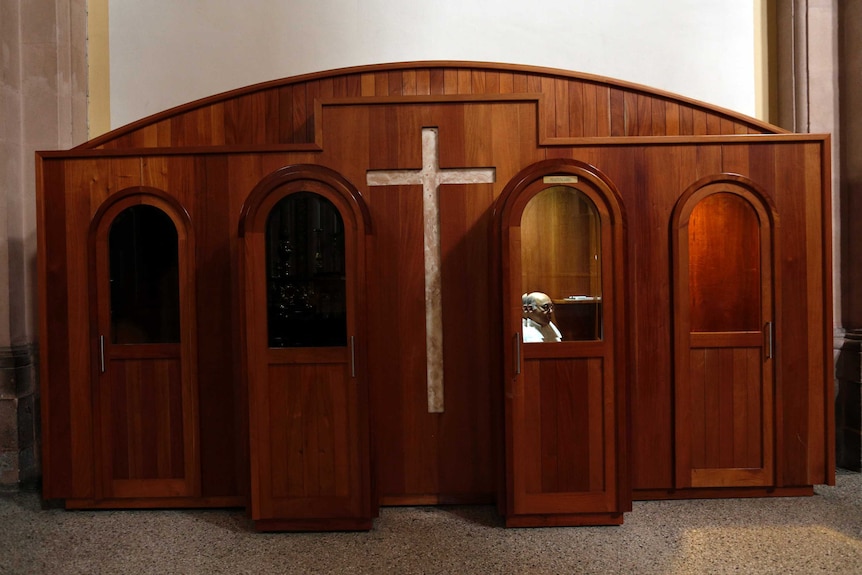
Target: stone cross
pixel 430 177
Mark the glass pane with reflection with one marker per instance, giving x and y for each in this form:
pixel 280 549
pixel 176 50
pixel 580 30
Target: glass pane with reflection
pixel 561 267
pixel 144 277
pixel 305 271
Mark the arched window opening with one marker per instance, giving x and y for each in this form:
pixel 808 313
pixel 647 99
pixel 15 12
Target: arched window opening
pixel 561 277
pixel 144 277
pixel 305 272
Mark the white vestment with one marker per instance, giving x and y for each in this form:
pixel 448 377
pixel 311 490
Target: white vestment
pixel 535 332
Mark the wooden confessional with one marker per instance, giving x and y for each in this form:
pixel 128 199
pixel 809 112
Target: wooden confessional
pixel 306 297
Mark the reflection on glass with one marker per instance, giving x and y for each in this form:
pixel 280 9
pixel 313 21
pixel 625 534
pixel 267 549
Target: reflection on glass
pixel 144 277
pixel 537 321
pixel 306 288
pixel 561 263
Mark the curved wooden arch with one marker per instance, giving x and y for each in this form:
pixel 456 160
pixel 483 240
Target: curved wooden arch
pixel 736 184
pixel 189 484
pixel 558 167
pixel 145 195
pixel 308 172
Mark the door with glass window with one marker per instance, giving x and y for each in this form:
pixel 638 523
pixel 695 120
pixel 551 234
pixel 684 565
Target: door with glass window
pixel 145 424
pixel 303 244
pixel 561 239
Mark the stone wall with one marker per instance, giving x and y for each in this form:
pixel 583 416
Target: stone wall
pixel 19 417
pixel 43 105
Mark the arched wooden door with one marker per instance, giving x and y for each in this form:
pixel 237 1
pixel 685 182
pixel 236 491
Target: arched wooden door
pixel 562 241
pixel 146 397
pixel 724 336
pixel 303 242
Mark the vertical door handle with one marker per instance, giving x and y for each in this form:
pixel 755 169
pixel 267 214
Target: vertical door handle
pixel 517 353
pixel 352 356
pixel 102 353
pixel 770 340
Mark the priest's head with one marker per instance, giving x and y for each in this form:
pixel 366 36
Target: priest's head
pixel 538 307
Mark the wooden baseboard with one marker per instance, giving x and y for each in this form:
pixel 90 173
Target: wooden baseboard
pixel 158 503
pixel 721 493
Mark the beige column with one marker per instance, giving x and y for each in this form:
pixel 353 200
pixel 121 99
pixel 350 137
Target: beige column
pixel 42 106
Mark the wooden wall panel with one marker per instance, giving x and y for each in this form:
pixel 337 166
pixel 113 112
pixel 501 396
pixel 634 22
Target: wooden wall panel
pixel 57 437
pixel 403 430
pixel 223 433
pixel 651 204
pixel 281 112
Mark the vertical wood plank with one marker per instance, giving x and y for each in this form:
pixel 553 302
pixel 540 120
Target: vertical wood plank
pixel 592 110
pixel 465 82
pixel 450 81
pixel 395 83
pixel 408 83
pixel 437 78
pixel 659 118
pixel 618 116
pixel 381 84
pixel 423 82
pixel 507 82
pixel 644 124
pixel 477 82
pixel 492 82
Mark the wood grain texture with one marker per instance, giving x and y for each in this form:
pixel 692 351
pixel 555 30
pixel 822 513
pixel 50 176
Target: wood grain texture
pixel 564 406
pixel 309 452
pixel 282 111
pixel 210 156
pixel 723 291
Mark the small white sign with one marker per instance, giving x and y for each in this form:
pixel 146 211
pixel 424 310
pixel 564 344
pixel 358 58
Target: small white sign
pixel 560 179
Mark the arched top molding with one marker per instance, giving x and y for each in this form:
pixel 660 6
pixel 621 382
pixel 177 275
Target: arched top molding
pixel 285 113
pixel 143 195
pixel 298 174
pixel 594 178
pixel 735 184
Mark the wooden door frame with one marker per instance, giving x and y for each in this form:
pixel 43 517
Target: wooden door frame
pixel 770 311
pixel 507 205
pixel 100 225
pixel 252 221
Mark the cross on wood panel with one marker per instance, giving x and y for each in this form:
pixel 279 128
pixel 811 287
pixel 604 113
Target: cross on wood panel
pixel 431 176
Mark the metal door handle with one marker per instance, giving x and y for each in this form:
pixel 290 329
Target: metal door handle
pixel 352 356
pixel 517 353
pixel 770 340
pixel 102 353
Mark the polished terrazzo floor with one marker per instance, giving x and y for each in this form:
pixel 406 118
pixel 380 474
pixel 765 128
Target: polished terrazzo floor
pixel 819 534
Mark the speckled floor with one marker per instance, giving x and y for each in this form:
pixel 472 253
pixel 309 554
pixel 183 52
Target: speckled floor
pixel 820 534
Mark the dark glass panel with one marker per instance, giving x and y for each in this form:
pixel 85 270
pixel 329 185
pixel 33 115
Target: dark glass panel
pixel 306 287
pixel 724 264
pixel 561 256
pixel 144 276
